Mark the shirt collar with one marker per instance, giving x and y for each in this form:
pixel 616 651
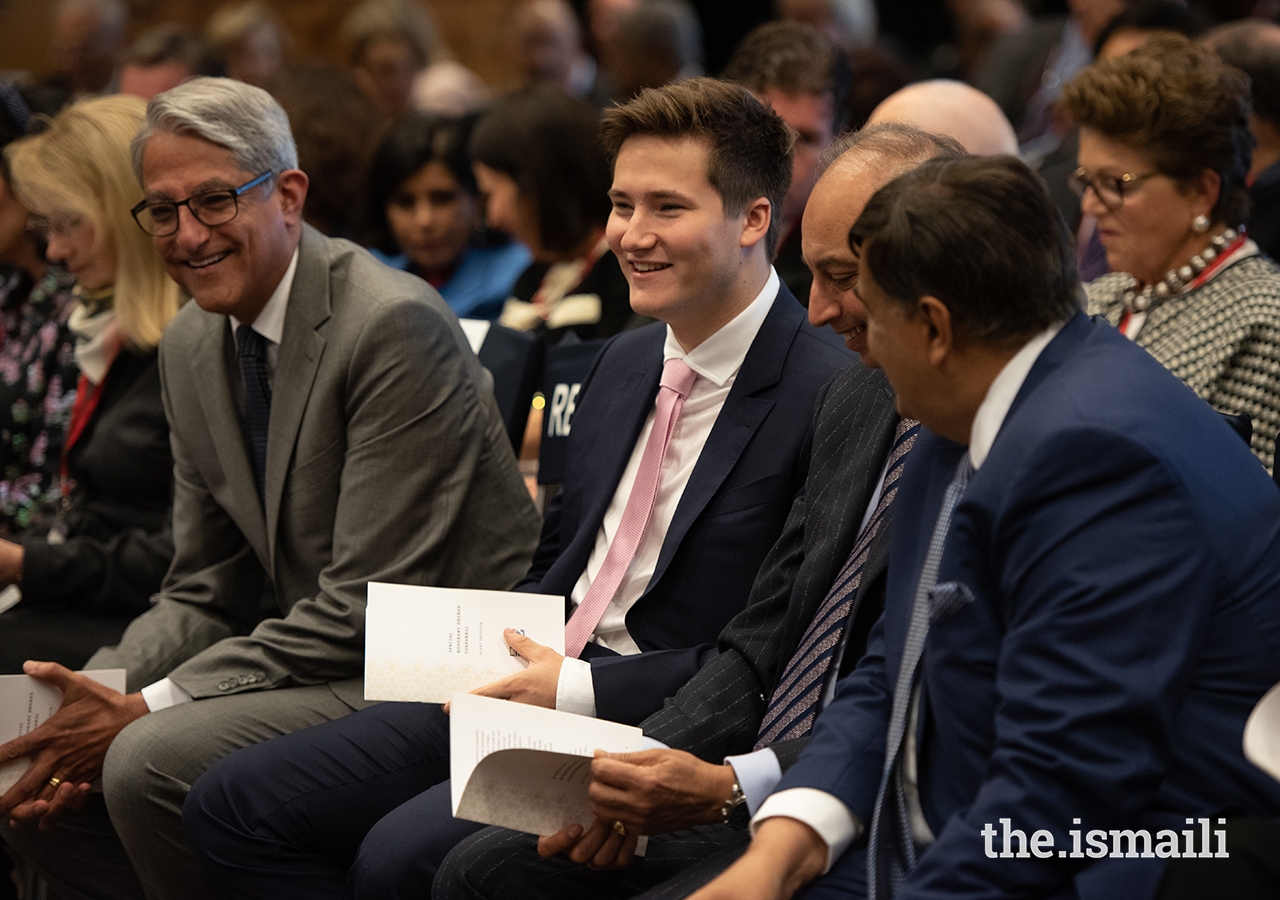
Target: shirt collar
pixel 720 356
pixel 270 322
pixel 1001 393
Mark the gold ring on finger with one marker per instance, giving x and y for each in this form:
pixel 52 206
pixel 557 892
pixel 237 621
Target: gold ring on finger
pixel 619 828
pixel 54 782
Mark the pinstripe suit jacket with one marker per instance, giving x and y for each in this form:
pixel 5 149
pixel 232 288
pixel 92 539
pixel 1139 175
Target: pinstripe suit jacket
pixel 719 710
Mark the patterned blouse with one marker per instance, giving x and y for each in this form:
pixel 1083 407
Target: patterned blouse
pixel 38 375
pixel 1221 339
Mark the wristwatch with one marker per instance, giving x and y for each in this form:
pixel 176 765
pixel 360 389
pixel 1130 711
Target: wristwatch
pixel 736 799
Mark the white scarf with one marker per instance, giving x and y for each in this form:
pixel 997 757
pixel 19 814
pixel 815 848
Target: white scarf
pixel 97 340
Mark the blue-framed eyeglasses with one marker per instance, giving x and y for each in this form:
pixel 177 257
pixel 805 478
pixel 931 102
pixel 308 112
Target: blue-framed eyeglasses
pixel 210 208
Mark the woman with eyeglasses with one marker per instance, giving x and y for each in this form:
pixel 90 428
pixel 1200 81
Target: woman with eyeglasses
pixel 108 550
pixel 1164 150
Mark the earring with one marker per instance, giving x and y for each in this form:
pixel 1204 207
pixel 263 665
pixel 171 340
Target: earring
pixel 1200 224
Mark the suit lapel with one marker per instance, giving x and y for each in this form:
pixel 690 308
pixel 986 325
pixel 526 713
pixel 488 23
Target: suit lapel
pixel 209 367
pixel 739 418
pixel 630 401
pixel 301 348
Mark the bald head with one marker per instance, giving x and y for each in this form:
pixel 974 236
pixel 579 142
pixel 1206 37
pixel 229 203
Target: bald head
pixel 856 166
pixel 953 109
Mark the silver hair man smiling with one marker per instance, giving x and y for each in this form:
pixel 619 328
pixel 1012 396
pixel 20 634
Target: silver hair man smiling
pixel 329 427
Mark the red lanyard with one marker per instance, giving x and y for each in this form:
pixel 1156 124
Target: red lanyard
pixel 87 398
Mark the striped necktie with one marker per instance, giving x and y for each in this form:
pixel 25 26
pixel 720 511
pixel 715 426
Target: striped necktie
pixel 796 699
pixel 891 851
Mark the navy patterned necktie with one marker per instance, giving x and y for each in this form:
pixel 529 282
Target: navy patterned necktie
pixel 795 700
pixel 251 348
pixel 891 851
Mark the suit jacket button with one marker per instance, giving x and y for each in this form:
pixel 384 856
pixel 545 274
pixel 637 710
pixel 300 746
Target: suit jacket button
pixel 223 686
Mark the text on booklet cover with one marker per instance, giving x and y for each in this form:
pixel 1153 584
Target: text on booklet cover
pixel 424 643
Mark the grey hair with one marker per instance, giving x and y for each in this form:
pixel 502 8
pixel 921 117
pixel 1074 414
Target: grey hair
pixel 898 142
pixel 244 119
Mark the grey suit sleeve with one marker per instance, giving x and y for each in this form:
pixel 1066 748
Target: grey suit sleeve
pixel 417 435
pixel 213 587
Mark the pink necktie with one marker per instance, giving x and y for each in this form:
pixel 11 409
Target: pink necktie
pixel 677 379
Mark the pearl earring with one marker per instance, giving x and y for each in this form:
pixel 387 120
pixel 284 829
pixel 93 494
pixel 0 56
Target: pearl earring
pixel 1200 224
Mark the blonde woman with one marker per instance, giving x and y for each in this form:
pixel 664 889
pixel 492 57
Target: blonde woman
pixel 110 546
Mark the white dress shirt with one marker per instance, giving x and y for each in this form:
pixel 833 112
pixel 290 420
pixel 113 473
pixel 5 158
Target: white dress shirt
pixel 829 817
pixel 270 324
pixel 716 361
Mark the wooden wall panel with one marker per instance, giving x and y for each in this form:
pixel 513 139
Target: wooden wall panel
pixel 475 29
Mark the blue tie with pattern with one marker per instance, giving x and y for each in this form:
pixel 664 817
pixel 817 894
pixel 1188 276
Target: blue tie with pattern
pixel 795 700
pixel 891 851
pixel 251 348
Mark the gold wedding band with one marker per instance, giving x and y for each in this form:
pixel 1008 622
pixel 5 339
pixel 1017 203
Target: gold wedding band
pixel 54 782
pixel 619 827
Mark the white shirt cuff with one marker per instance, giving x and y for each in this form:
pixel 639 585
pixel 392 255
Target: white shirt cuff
pixel 822 812
pixel 575 691
pixel 164 693
pixel 758 773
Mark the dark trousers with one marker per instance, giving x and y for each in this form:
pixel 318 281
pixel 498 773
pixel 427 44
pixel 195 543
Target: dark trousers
pixel 498 864
pixel 357 807
pixel 54 634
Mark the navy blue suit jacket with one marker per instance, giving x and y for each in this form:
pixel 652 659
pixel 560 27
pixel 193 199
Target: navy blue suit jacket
pixel 752 467
pixel 1113 578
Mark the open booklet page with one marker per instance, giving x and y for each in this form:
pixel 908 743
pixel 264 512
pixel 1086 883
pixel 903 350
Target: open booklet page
pixel 25 703
pixel 424 643
pixel 525 767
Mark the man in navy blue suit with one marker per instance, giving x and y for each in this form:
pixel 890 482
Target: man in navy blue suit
pixel 1084 614
pixel 690 442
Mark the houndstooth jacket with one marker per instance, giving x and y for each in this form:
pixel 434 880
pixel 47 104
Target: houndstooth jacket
pixel 1221 339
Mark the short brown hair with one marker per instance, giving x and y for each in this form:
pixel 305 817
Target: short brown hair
pixel 750 145
pixel 1177 101
pixel 795 58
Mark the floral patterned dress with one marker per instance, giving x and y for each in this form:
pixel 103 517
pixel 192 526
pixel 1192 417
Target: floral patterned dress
pixel 38 376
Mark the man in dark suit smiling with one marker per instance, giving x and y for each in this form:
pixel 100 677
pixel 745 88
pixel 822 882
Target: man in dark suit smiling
pixel 690 442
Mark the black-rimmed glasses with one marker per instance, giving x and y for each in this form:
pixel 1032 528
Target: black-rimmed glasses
pixel 1109 189
pixel 209 209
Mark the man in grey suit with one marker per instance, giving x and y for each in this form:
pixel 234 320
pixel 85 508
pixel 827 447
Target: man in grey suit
pixel 330 428
pixel 821 585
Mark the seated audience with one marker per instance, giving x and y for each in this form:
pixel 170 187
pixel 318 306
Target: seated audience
pixel 38 371
pixel 336 130
pixel 1007 704
pixel 1132 26
pixel 164 57
pixel 813 603
pixel 954 109
pixel 92 570
pixel 688 449
pixel 805 78
pixel 400 62
pixel 1253 47
pixel 330 426
pixel 545 180
pixel 1166 183
pixel 658 42
pixel 424 214
pixel 251 39
pixel 546 39
pixel 849 24
pixel 1025 71
pixel 87 40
